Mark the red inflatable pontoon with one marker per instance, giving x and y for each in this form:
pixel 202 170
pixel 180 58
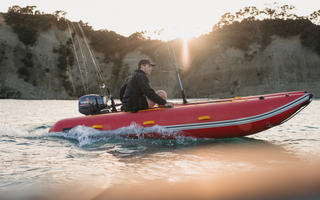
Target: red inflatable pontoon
pixel 226 118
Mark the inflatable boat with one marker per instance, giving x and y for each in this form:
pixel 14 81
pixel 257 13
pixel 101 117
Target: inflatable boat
pixel 226 118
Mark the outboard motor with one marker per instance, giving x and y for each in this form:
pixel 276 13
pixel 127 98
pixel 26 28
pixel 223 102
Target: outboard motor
pixel 92 104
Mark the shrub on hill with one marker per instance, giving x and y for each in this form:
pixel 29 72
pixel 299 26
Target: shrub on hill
pixel 252 26
pixel 26 22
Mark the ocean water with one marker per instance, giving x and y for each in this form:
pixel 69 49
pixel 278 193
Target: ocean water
pixel 30 157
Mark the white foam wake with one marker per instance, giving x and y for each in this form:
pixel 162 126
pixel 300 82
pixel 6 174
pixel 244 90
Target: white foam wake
pixel 87 135
pixel 7 130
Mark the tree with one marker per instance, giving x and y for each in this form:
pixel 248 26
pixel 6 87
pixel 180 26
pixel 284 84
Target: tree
pixel 226 19
pixel 138 35
pixel 247 13
pixel 14 9
pixel 315 17
pixel 60 14
pixel 158 32
pixel 37 12
pixel 26 34
pixel 27 10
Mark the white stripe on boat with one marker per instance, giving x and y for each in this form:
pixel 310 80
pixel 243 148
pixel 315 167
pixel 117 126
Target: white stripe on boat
pixel 240 121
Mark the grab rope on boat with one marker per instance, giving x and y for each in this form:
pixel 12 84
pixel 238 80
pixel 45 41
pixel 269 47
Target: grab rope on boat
pixel 303 106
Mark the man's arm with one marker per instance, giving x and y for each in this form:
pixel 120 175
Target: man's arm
pixel 144 85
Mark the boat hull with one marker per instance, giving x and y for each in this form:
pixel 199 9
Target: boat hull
pixel 226 118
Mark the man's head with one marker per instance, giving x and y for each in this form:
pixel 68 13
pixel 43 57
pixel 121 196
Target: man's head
pixel 146 66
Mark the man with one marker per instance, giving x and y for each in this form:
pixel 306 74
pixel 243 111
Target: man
pixel 137 94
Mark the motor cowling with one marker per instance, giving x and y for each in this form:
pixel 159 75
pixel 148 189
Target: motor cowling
pixel 92 104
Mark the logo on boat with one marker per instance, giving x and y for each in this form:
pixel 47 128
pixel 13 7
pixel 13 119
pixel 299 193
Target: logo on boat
pixel 83 103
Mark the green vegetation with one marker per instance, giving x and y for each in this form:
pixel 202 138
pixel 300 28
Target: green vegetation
pixel 112 44
pixel 66 59
pixel 26 22
pixel 66 56
pixel 251 26
pixel 115 46
pixel 239 30
pixel 9 93
pixel 34 83
pixel 79 91
pixel 247 32
pixel 68 86
pixel 27 61
pixel 24 71
pixel 149 47
pixel 3 56
pixel 245 27
pixel 26 34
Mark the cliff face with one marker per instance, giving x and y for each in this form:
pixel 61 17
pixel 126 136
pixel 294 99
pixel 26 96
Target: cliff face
pixel 283 66
pixel 48 84
pixel 45 81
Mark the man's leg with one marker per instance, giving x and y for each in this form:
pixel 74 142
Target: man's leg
pixel 162 94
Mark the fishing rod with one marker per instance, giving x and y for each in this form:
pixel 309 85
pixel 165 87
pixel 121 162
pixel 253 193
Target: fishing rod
pixel 98 71
pixel 75 53
pixel 174 62
pixel 177 71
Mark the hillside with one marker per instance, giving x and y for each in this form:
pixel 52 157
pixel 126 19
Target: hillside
pixel 241 56
pixel 285 65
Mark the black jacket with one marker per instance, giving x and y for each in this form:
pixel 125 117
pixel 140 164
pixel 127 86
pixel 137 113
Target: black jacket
pixel 133 92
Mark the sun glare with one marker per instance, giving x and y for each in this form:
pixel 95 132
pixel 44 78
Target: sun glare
pixel 185 54
pixel 182 31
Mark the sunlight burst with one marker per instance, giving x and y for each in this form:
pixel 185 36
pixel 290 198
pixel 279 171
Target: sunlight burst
pixel 185 54
pixel 184 32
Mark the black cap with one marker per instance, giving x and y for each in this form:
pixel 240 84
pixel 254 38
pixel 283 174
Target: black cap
pixel 145 61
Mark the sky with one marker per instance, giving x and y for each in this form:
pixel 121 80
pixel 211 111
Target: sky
pixel 179 18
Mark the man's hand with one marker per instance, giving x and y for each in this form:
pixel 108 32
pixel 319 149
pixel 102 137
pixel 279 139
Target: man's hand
pixel 168 104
